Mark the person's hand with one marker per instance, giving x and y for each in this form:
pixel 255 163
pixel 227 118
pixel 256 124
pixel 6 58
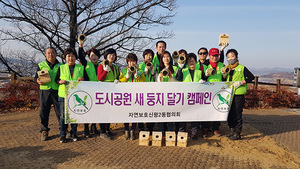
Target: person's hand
pixel 136 75
pixel 181 65
pixel 146 70
pixel 237 84
pixel 209 72
pixel 152 71
pixel 225 71
pixel 107 68
pixel 62 82
pixel 38 80
pixel 80 79
pixel 224 45
pixel 128 74
pixel 201 81
pixel 116 81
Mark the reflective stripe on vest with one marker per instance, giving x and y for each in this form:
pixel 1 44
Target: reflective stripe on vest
pixel 187 76
pixel 52 73
pixel 91 71
pixel 65 75
pixel 218 76
pixel 110 77
pixel 238 75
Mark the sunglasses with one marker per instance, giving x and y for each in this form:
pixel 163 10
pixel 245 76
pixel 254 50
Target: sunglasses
pixel 203 53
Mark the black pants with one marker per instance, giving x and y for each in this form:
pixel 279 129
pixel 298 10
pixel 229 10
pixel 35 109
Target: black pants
pixel 235 119
pixel 104 127
pixel 47 98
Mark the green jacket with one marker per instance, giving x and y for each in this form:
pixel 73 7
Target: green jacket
pixel 52 73
pixel 238 75
pixel 65 75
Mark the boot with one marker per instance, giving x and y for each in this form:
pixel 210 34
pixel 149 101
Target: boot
pixel 236 135
pixel 94 129
pixel 232 130
pixel 132 135
pixel 127 135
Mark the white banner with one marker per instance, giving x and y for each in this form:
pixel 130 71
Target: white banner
pixel 100 102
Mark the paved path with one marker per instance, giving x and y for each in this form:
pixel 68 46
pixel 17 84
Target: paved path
pixel 20 146
pixel 281 124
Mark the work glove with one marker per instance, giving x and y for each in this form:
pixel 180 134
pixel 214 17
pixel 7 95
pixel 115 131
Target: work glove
pixel 116 81
pixel 128 74
pixel 209 72
pixel 146 70
pixel 225 70
pixel 181 65
pixel 107 68
pixel 152 71
pixel 136 75
pixel 224 45
pixel 201 81
pixel 237 84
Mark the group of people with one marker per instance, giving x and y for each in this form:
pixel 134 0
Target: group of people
pixel 156 67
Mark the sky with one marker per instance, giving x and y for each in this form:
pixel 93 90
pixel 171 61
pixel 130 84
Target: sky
pixel 266 33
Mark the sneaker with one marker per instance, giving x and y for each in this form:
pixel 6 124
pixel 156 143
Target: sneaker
pixel 74 138
pixel 62 139
pixel 44 135
pixel 87 135
pixel 105 136
pixel 217 133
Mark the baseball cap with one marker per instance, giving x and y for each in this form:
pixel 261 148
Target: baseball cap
pixel 214 51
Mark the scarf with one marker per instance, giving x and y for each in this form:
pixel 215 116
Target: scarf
pixel 231 67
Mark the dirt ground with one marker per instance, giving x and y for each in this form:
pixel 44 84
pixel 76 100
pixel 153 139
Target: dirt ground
pixel 21 147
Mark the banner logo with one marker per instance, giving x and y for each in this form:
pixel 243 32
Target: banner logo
pixel 80 102
pixel 221 101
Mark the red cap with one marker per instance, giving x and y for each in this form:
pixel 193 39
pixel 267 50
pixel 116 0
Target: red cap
pixel 214 51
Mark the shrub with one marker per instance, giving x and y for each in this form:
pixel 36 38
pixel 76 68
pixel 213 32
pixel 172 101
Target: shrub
pixel 24 94
pixel 268 99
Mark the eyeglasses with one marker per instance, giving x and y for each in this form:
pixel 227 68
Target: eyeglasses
pixel 203 53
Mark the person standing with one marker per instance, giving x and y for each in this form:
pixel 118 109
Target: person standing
pixel 131 74
pixel 240 75
pixel 189 74
pixel 68 72
pixel 161 47
pixel 48 91
pixel 91 70
pixel 216 66
pixel 108 71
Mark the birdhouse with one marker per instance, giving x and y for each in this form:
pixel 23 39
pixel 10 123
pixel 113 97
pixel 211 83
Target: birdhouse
pixel 156 138
pixel 144 138
pixel 182 139
pixel 170 138
pixel 224 38
pixel 44 76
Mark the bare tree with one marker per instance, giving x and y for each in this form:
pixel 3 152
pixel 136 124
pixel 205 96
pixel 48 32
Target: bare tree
pixel 121 24
pixel 20 62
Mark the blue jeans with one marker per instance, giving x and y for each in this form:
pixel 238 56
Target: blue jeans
pixel 63 127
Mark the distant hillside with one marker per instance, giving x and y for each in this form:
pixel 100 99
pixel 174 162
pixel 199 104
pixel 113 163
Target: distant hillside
pixel 278 75
pixel 265 71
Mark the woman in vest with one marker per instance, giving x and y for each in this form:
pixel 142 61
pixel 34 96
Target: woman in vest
pixel 189 74
pixel 108 71
pixel 68 72
pixel 240 75
pixel 149 72
pixel 167 74
pixel 91 70
pixel 131 74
